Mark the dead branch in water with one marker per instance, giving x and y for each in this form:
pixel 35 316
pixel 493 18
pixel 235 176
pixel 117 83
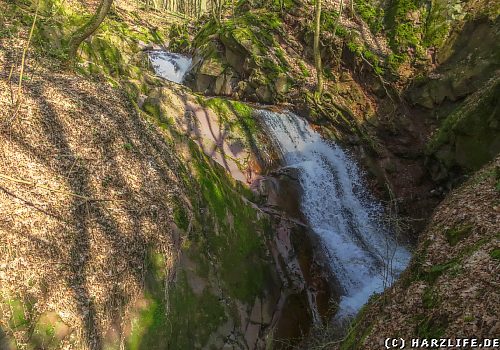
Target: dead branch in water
pixel 282 216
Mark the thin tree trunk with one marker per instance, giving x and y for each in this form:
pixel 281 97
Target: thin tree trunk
pixel 337 20
pixel 317 50
pixel 88 29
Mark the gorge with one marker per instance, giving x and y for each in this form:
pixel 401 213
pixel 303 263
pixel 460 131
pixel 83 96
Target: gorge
pixel 184 183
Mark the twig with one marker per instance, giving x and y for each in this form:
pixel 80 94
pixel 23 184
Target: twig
pixel 384 83
pixel 23 61
pixel 10 83
pixel 282 215
pixel 33 184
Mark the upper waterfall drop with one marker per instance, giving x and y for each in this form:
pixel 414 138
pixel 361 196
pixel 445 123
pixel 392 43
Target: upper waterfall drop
pixel 363 253
pixel 170 66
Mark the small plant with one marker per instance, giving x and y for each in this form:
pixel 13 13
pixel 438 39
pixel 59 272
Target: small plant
pixel 495 254
pixel 430 299
pixel 469 318
pixel 456 234
pixel 304 70
pixel 128 146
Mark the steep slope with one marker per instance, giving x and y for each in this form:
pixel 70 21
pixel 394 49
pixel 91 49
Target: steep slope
pixel 416 96
pixel 122 226
pixel 116 229
pixel 87 195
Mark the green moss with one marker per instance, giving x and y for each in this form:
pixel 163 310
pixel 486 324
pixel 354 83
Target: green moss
pixel 251 34
pixel 468 137
pixel 432 274
pixel 456 234
pixel 207 30
pixel 45 331
pixel 436 26
pixel 403 31
pixel 359 330
pixel 152 109
pixel 236 117
pixel 49 331
pixel 452 266
pixel 430 326
pixel 328 24
pixel 442 16
pixel 395 60
pixel 190 322
pixel 227 239
pixel 110 49
pixel 194 317
pixel 180 216
pixel 358 48
pixel 430 298
pixel 304 70
pixel 238 239
pixel 20 313
pixel 371 14
pixel 495 254
pixel 149 329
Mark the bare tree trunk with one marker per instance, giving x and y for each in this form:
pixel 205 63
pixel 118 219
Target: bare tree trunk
pixel 218 5
pixel 317 50
pixel 88 29
pixel 341 8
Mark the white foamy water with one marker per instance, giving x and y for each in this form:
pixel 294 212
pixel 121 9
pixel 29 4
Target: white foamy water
pixel 363 254
pixel 169 65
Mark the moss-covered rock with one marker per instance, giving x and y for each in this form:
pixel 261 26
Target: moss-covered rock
pixel 224 268
pixel 246 45
pixel 114 51
pixel 460 72
pixel 470 136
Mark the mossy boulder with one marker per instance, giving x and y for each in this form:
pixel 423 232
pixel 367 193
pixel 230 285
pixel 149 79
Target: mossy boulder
pixel 241 49
pixel 466 60
pixel 470 136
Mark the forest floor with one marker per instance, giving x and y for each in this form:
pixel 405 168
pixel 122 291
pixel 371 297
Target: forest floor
pixel 85 191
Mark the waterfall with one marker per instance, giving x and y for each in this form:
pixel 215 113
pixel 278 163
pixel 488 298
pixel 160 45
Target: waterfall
pixel 363 254
pixel 170 66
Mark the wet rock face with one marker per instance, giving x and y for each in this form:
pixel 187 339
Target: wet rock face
pixel 251 295
pixel 309 287
pixel 282 190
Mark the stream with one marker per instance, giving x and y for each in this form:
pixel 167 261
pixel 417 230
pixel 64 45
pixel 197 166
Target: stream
pixel 170 66
pixel 361 251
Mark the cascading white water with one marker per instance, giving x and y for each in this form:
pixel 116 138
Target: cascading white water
pixel 170 66
pixel 363 254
